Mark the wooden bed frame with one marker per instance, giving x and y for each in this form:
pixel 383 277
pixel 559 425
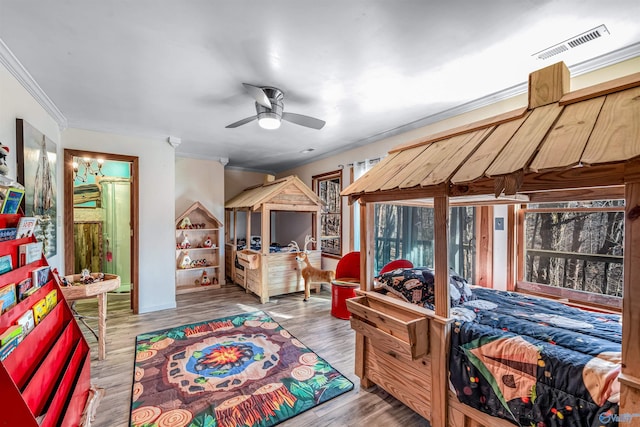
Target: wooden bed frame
pixel 268 274
pixel 581 145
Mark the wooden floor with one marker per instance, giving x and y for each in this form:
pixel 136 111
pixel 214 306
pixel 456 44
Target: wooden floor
pixel 310 322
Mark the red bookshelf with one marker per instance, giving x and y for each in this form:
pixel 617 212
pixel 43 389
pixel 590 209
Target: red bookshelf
pixel 45 381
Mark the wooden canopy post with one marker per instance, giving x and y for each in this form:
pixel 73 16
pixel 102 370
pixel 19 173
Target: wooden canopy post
pixel 316 226
pixel 484 246
pixel 265 234
pixel 366 245
pixel 235 227
pixel 629 378
pixel 227 227
pixel 439 332
pixel 248 229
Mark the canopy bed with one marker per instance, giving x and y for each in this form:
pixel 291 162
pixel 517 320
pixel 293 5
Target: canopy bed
pixel 269 269
pixel 565 146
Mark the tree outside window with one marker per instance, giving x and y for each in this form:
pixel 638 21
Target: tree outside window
pixel 576 246
pixel 328 187
pixel 407 232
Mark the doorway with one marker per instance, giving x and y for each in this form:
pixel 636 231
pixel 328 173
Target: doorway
pixel 101 216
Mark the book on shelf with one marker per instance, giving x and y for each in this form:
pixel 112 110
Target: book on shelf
pixel 39 310
pixel 6 349
pixel 7 297
pixel 40 276
pixel 23 288
pixel 27 322
pixel 29 252
pixel 30 292
pixel 26 226
pixel 6 264
pixel 8 234
pixel 51 299
pixel 10 333
pixel 11 200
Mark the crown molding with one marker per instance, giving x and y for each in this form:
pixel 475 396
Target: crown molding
pixel 223 160
pixel 13 65
pixel 611 58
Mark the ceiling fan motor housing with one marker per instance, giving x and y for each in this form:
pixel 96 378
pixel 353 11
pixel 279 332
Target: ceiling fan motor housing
pixel 276 98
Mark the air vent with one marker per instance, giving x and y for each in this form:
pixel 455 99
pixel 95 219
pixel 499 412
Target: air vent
pixel 573 42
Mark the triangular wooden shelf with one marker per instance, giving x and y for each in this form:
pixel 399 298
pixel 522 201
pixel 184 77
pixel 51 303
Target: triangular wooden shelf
pixel 198 214
pixel 203 251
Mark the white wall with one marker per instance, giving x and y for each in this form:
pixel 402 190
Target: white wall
pixel 17 103
pixel 236 180
pixel 292 226
pixel 201 181
pixel 157 201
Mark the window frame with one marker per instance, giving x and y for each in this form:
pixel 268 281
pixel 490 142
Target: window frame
pixel 405 238
pixel 578 298
pixel 316 180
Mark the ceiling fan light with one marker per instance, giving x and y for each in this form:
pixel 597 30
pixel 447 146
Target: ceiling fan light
pixel 269 121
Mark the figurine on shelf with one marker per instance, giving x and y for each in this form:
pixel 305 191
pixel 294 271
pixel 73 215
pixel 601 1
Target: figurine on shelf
pixel 208 243
pixel 186 223
pixel 4 152
pixel 185 262
pixel 199 263
pixel 184 244
pixel 205 281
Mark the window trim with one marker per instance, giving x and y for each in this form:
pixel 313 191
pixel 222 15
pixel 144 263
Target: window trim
pixel 315 180
pixel 582 299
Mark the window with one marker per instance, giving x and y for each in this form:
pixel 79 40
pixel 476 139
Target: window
pixel 407 232
pixel 328 187
pixel 574 250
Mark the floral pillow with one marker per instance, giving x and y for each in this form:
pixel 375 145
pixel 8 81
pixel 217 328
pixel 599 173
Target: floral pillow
pixel 415 285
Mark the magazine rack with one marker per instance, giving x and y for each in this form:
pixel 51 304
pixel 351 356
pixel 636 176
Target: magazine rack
pixel 45 380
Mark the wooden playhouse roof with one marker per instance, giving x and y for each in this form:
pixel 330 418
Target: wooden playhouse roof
pixel 574 140
pixel 289 192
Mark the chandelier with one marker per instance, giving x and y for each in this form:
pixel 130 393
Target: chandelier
pixel 85 167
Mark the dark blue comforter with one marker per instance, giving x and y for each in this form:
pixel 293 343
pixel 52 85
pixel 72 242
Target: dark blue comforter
pixel 536 362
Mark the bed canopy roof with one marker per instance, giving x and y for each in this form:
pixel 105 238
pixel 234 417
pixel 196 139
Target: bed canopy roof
pixel 583 143
pixel 289 193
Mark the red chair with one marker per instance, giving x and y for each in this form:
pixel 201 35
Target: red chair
pixel 348 268
pixel 347 281
pixel 397 263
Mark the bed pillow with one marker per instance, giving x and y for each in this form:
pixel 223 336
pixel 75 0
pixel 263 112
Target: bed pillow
pixel 415 285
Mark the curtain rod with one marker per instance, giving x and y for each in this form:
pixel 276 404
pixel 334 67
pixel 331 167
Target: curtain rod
pixel 371 161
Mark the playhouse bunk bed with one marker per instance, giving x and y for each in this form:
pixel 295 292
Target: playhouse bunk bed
pixel 269 269
pixel 565 146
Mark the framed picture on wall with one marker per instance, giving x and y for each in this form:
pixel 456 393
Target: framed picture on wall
pixel 37 171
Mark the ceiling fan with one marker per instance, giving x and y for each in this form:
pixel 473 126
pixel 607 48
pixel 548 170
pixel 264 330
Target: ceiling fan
pixel 269 110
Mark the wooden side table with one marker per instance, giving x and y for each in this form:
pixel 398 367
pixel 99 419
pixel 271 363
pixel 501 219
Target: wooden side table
pixel 98 289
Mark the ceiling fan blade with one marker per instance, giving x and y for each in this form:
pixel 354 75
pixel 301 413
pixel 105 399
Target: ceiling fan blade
pixel 299 119
pixel 241 122
pixel 258 94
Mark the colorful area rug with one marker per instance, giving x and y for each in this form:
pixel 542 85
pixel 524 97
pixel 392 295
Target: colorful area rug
pixel 242 370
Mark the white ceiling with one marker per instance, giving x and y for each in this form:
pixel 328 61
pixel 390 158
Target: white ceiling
pixel 369 68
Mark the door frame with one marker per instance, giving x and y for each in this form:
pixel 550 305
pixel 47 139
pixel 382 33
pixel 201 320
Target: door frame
pixel 69 255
